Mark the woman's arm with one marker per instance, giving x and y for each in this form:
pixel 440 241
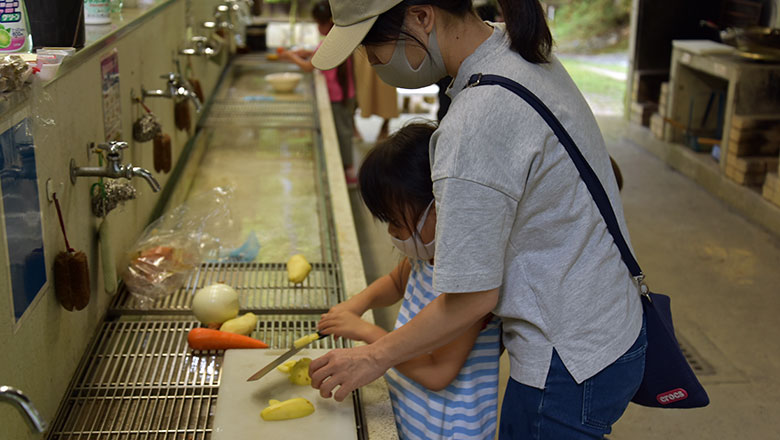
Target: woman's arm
pixel 438 369
pixel 433 370
pixel 438 323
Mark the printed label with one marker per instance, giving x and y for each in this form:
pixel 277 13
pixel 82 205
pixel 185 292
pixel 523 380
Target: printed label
pixel 672 396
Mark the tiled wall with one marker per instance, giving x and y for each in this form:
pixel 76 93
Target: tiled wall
pixel 39 353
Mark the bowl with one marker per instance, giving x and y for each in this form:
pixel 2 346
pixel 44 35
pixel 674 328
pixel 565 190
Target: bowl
pixel 284 82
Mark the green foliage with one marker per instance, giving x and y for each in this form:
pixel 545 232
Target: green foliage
pixel 585 19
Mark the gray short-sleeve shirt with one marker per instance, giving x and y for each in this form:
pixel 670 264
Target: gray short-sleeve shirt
pixel 514 214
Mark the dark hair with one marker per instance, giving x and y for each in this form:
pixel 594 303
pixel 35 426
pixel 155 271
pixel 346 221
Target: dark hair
pixel 395 177
pixel 322 14
pixel 525 20
pixel 487 12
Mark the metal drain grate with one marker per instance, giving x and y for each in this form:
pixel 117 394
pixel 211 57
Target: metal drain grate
pixel 140 380
pixel 261 114
pixel 262 288
pixel 699 365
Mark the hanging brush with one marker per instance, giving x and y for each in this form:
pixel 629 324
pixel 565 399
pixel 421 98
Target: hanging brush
pixel 147 126
pixel 71 272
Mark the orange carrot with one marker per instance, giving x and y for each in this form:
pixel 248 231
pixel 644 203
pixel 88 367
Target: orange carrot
pixel 208 339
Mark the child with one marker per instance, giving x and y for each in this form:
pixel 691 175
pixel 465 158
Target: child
pixel 341 88
pixel 451 392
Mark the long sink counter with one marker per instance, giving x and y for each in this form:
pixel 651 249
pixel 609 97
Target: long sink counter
pixel 280 155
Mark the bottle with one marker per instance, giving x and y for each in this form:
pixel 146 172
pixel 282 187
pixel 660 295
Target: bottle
pixel 14 28
pixel 97 12
pixel 116 6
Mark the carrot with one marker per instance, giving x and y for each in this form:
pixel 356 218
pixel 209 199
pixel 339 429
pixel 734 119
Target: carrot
pixel 208 339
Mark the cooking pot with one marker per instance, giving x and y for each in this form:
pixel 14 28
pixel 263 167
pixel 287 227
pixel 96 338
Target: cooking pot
pixel 756 39
pixel 760 40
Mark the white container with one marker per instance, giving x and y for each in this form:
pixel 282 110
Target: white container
pixel 48 72
pixel 68 50
pixel 58 54
pixel 97 12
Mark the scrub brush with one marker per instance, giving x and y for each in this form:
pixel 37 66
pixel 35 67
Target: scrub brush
pixel 181 115
pixel 162 153
pixel 147 126
pixel 71 272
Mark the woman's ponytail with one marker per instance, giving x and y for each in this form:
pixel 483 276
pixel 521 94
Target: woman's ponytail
pixel 527 27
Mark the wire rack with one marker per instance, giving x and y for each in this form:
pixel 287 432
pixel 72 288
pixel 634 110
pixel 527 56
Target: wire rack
pixel 141 381
pixel 262 288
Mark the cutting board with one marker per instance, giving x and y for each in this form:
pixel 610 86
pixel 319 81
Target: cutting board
pixel 239 402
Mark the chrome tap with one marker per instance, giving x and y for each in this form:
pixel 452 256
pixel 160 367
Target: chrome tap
pixel 23 404
pixel 177 88
pixel 113 168
pixel 202 46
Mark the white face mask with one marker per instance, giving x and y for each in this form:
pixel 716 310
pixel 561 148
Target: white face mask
pixel 399 73
pixel 413 247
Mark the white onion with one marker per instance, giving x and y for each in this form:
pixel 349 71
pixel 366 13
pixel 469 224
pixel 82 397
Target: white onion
pixel 215 304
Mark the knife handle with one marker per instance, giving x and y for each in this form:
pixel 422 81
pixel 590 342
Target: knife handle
pixel 308 339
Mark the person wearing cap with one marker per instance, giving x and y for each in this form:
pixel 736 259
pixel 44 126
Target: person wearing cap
pixel 517 232
pixel 341 89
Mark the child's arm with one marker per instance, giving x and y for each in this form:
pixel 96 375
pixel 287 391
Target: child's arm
pixel 383 292
pixel 304 63
pixel 434 370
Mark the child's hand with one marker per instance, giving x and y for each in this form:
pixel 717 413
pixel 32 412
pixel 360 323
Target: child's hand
pixel 286 55
pixel 345 324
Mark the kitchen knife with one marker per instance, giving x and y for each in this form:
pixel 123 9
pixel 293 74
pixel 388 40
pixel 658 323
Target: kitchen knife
pixel 298 345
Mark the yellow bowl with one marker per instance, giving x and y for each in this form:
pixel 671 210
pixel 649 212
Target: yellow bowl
pixel 284 82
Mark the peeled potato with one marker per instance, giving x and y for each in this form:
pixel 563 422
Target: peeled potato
pixel 289 409
pixel 243 325
pixel 285 367
pixel 298 268
pixel 299 373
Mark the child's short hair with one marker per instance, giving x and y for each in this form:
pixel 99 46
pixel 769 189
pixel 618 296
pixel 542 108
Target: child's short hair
pixel 321 13
pixel 395 177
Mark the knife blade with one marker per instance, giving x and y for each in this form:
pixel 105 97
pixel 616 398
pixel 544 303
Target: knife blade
pixel 298 345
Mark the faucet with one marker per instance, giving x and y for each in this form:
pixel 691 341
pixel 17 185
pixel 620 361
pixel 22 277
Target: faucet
pixel 23 404
pixel 113 168
pixel 177 88
pixel 203 46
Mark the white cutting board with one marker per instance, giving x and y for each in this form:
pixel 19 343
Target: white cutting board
pixel 239 402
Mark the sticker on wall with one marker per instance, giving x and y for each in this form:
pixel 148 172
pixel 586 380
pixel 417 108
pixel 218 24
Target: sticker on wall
pixel 23 229
pixel 112 109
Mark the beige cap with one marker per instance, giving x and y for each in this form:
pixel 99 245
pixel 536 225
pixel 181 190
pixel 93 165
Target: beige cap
pixel 352 21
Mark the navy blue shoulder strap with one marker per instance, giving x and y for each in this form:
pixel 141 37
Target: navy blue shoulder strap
pixel 586 172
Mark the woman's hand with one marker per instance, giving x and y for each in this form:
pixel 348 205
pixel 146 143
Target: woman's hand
pixel 345 368
pixel 345 324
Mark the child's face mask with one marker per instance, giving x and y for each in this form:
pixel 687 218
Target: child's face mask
pixel 413 247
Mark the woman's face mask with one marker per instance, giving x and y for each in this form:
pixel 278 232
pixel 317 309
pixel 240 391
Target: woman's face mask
pixel 398 72
pixel 413 247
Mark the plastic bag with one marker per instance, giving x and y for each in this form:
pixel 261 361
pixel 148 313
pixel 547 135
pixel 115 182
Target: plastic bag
pixel 175 244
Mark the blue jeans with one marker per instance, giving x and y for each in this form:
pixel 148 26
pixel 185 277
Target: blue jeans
pixel 567 410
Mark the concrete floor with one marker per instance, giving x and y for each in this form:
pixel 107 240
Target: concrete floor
pixel 721 271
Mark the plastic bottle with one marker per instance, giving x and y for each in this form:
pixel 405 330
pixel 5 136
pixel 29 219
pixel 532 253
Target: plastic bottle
pixel 116 6
pixel 97 11
pixel 14 28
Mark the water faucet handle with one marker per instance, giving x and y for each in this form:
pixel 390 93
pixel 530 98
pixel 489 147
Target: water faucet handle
pixel 170 76
pixel 113 147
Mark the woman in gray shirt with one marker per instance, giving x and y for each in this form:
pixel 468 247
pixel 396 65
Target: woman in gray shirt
pixel 517 231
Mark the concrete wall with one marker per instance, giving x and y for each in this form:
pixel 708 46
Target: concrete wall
pixel 42 351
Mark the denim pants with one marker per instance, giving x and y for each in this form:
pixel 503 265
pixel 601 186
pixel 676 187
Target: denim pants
pixel 570 411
